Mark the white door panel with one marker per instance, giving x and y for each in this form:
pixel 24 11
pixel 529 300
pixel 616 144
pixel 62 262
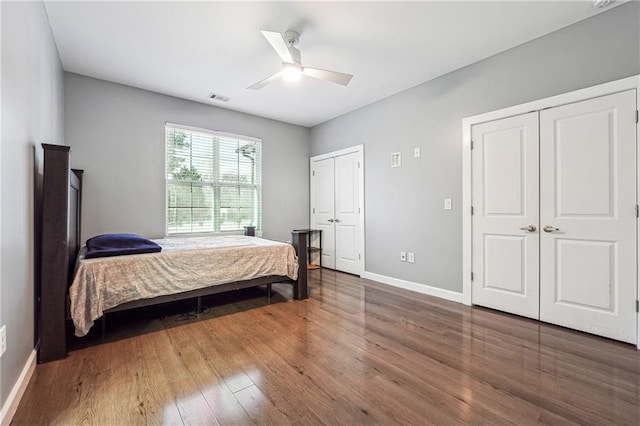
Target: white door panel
pixel 503 156
pixel 336 204
pixel 324 205
pixel 346 251
pixel 588 198
pixel 584 185
pixel 507 254
pixel 328 244
pixel 347 214
pixel 585 269
pixel 325 208
pixel 505 200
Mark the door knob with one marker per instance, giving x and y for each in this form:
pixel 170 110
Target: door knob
pixel 549 228
pixel 331 220
pixel 530 228
pixel 337 220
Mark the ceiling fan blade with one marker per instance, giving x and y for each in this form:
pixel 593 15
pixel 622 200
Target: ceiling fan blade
pixel 279 45
pixel 264 82
pixel 336 77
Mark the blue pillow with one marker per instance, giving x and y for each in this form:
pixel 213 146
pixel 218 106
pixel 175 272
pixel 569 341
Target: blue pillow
pixel 119 244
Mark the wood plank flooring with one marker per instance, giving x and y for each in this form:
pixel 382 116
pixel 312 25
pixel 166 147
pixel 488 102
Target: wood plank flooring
pixel 355 352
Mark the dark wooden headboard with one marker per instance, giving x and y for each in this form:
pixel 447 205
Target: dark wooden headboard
pixel 61 233
pixel 74 220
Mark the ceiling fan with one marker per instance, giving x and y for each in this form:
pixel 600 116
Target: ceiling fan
pixel 292 68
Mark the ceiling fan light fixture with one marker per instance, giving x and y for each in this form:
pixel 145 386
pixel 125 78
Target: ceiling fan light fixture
pixel 292 68
pixel 291 72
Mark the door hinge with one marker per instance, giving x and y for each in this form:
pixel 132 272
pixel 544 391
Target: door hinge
pixel 358 164
pixel 359 257
pixel 637 306
pixel 472 276
pixel 313 173
pixel 636 116
pixel 471 210
pixel 637 211
pixel 472 144
pixel 358 210
pixel 314 210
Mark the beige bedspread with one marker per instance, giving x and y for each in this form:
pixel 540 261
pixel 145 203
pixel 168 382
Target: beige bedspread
pixel 183 264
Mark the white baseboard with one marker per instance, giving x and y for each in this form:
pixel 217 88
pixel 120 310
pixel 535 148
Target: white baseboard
pixel 418 288
pixel 11 406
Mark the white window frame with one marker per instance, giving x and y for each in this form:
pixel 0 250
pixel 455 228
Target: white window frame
pixel 216 219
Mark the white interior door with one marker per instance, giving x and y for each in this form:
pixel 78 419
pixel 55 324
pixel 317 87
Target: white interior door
pixel 324 208
pixel 338 208
pixel 505 218
pixel 588 201
pixel 347 213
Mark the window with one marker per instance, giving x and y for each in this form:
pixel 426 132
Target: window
pixel 213 181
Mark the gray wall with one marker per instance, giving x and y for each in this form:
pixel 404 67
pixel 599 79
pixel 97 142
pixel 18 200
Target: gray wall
pixel 117 135
pixel 32 113
pixel 404 206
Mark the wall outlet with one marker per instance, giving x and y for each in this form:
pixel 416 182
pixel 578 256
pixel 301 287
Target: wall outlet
pixel 411 257
pixel 3 340
pixel 447 204
pixel 403 256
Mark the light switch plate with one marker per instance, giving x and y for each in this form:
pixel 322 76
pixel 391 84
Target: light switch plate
pixel 396 159
pixel 3 340
pixel 416 152
pixel 447 204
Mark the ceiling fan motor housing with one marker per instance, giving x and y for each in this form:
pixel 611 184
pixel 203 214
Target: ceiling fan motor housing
pixel 292 37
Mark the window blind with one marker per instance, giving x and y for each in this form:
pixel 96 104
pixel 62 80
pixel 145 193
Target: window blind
pixel 213 181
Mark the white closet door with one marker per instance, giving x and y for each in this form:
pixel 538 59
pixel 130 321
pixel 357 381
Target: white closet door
pixel 506 203
pixel 325 208
pixel 347 218
pixel 588 198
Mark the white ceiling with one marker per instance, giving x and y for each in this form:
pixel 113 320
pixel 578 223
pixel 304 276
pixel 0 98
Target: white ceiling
pixel 191 49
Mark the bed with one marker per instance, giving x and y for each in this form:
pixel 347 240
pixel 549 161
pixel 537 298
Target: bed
pixel 108 284
pixel 98 289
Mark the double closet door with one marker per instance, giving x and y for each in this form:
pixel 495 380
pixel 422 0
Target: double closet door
pixel 554 220
pixel 335 209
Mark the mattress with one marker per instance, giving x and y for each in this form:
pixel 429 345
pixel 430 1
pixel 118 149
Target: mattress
pixel 184 264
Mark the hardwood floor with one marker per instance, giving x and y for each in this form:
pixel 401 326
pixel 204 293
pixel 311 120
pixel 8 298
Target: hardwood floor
pixel 354 352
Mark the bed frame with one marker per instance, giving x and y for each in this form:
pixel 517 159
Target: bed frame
pixel 61 201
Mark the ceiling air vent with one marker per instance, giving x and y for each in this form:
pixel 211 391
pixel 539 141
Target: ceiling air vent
pixel 219 98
